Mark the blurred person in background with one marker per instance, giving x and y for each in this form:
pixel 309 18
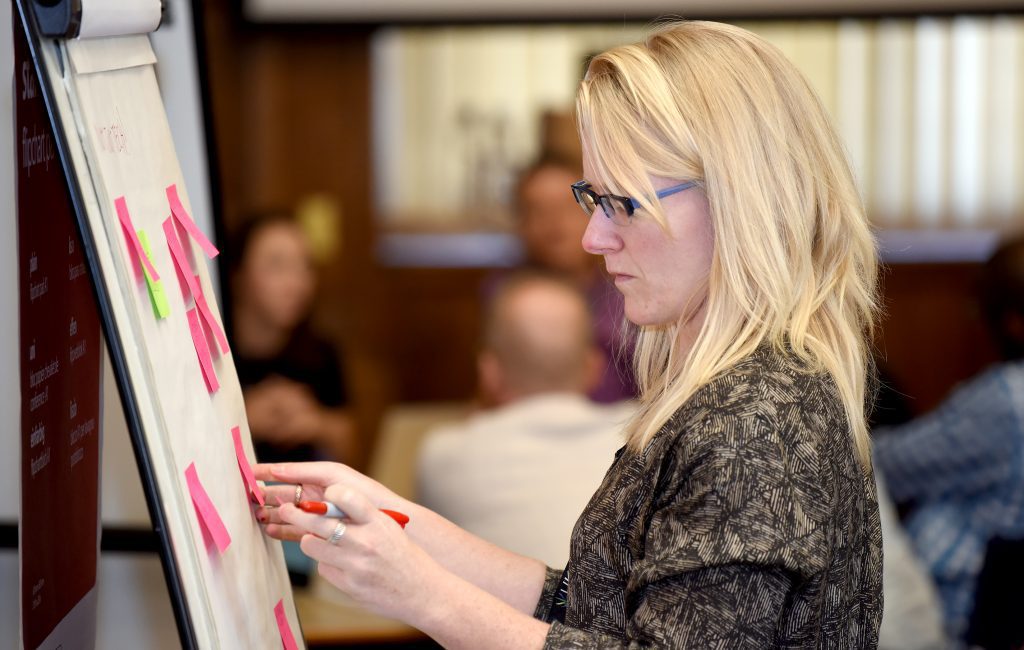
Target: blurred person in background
pixel 496 474
pixel 961 467
pixel 912 615
pixel 551 231
pixel 291 379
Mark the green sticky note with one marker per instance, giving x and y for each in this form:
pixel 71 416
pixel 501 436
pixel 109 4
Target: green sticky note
pixel 157 297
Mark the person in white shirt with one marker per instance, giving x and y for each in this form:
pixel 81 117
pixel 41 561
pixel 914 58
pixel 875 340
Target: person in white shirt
pixel 520 474
pixel 912 616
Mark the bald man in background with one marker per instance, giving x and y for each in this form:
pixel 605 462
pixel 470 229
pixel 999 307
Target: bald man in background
pixel 520 474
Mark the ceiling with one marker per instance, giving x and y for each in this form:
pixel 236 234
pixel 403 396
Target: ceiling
pixel 590 10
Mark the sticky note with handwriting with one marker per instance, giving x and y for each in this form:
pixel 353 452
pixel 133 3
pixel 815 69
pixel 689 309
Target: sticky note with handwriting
pixel 248 478
pixel 209 518
pixel 135 250
pixel 287 638
pixel 179 213
pixel 157 297
pixel 202 350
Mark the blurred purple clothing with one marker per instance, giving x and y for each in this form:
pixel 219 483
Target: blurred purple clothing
pixel 605 302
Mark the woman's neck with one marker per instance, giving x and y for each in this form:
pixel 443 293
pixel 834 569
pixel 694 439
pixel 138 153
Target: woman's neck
pixel 688 331
pixel 255 337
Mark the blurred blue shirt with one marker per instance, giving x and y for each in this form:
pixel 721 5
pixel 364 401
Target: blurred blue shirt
pixel 963 467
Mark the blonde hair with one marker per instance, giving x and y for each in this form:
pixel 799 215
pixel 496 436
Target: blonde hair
pixel 794 261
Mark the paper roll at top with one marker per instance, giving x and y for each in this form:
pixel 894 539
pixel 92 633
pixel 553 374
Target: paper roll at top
pixel 97 18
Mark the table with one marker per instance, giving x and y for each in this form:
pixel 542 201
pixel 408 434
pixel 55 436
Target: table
pixel 330 621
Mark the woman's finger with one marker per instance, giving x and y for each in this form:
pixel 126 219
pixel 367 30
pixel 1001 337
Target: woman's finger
pixel 280 493
pixel 353 503
pixel 322 527
pixel 269 514
pixel 263 472
pixel 315 473
pixel 318 549
pixel 284 532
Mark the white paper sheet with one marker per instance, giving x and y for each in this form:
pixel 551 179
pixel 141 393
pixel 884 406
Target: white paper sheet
pixel 110 54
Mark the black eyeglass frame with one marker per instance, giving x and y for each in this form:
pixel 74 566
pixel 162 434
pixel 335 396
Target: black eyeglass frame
pixel 609 202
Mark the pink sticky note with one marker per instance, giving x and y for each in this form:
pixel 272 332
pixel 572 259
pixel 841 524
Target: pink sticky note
pixel 202 350
pixel 287 638
pixel 187 279
pixel 136 262
pixel 209 519
pixel 134 245
pixel 243 464
pixel 183 284
pixel 178 210
pixel 181 265
pixel 211 320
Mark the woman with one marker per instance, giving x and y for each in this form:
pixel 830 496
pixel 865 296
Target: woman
pixel 292 382
pixel 742 510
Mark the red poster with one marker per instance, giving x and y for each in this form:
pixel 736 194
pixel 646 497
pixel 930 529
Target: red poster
pixel 60 386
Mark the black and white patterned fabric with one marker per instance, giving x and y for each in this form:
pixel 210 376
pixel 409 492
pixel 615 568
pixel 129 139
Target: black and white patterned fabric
pixel 747 522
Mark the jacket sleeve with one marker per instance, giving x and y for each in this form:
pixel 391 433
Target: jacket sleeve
pixel 547 595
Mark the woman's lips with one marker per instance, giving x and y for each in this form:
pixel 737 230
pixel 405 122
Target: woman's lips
pixel 621 277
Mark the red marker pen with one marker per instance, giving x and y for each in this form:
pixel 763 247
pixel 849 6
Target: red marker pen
pixel 325 509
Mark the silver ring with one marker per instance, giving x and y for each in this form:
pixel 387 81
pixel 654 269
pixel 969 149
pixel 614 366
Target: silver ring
pixel 298 494
pixel 339 530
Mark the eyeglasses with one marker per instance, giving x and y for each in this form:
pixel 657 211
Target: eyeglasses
pixel 617 208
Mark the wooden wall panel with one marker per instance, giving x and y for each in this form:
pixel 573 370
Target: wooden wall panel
pixel 932 335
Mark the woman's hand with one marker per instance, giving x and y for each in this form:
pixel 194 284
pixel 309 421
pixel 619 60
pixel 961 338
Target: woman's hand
pixel 261 411
pixel 378 565
pixel 433 575
pixel 314 479
pixel 283 412
pixel 374 561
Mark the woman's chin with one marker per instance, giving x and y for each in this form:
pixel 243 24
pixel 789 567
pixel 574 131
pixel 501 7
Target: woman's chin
pixel 288 319
pixel 642 318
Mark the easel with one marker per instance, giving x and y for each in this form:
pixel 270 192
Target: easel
pixel 215 602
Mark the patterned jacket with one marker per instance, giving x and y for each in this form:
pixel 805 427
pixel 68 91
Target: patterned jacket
pixel 747 522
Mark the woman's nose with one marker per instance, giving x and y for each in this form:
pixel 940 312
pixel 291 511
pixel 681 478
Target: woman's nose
pixel 601 237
